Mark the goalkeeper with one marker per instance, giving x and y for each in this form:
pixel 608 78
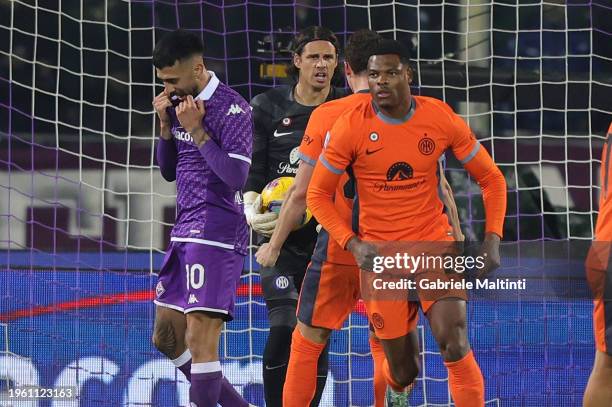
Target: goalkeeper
pixel 280 116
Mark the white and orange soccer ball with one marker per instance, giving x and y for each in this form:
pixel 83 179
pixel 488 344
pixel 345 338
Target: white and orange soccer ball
pixel 273 195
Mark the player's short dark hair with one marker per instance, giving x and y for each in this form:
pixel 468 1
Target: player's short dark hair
pixel 176 46
pixel 310 34
pixel 359 48
pixel 392 47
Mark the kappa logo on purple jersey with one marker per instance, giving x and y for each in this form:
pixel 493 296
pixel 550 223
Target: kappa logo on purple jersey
pixel 159 289
pixel 238 198
pixel 234 109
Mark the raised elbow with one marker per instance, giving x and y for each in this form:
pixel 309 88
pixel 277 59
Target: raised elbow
pixel 169 177
pixel 168 174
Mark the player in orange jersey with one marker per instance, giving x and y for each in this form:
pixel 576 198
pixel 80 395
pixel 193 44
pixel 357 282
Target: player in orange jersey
pixel 330 266
pixel 332 279
pixel 391 146
pixel 599 388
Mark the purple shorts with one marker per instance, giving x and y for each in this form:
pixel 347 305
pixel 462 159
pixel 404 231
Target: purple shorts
pixel 199 277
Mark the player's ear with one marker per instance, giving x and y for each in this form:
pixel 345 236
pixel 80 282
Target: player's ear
pixel 297 60
pixel 409 73
pixel 347 69
pixel 198 69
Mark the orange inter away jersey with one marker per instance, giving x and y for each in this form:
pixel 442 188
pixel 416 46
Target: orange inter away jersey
pixel 395 165
pixel 603 230
pixel 320 123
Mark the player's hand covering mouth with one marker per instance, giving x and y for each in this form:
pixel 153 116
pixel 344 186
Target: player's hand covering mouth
pixel 180 96
pixel 176 98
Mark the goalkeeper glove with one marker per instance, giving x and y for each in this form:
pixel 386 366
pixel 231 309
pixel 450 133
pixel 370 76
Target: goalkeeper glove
pixel 261 223
pixel 252 205
pixel 264 223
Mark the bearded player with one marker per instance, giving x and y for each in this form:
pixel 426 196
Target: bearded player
pixel 205 145
pixel 599 388
pixel 280 117
pixel 391 146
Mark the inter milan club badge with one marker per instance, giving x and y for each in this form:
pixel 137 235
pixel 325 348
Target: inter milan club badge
pixel 378 321
pixel 282 282
pixel 427 145
pixel 286 122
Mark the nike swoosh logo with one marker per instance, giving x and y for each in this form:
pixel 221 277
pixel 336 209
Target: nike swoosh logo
pixel 277 134
pixel 275 367
pixel 368 152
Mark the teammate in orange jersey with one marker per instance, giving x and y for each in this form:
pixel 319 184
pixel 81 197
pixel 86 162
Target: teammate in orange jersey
pixel 599 388
pixel 332 279
pixel 330 266
pixel 391 146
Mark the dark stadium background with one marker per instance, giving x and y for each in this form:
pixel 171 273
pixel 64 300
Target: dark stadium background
pixel 236 55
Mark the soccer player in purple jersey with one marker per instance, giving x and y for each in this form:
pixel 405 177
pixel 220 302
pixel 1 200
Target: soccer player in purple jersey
pixel 205 145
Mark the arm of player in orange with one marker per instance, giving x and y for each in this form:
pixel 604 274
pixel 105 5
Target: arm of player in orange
pixel 477 161
pixel 331 164
pixel 294 205
pixel 320 200
pixel 493 185
pixel 292 211
pixel 481 167
pixel 598 257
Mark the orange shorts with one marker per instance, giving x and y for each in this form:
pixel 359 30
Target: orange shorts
pixel 328 294
pixel 395 314
pixel 602 325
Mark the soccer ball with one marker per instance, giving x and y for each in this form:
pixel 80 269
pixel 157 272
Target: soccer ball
pixel 273 195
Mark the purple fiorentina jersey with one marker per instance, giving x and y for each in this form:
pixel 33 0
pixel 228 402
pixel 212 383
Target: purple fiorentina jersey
pixel 208 210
